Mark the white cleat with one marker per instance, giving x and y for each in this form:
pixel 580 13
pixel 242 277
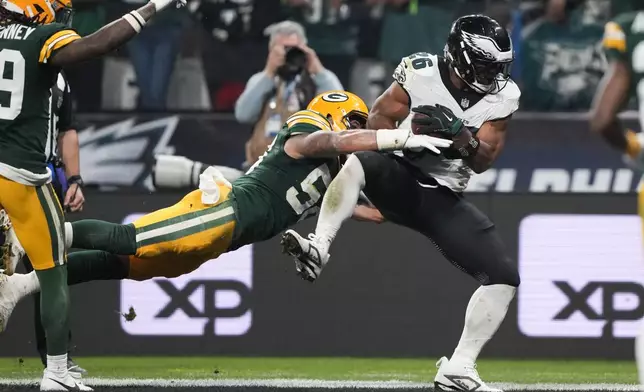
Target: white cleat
pixel 309 259
pixel 12 250
pixel 454 376
pixel 52 382
pixel 76 371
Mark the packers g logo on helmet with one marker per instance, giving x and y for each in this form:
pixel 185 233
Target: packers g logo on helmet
pixel 343 109
pixel 335 97
pixel 32 11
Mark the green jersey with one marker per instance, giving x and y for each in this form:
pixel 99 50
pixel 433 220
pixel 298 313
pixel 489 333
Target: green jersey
pixel 26 135
pixel 624 41
pixel 278 191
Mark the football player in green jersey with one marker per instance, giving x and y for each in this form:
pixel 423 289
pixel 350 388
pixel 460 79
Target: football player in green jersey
pixel 283 187
pixel 33 48
pixel 624 46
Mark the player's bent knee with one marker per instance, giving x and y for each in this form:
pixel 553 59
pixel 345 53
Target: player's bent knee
pixel 352 170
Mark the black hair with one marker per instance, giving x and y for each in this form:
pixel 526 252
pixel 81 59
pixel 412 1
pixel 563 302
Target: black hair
pixel 9 17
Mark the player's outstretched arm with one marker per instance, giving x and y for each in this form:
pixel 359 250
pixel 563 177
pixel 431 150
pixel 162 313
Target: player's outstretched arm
pixel 611 97
pixel 109 37
pixel 325 144
pixel 390 108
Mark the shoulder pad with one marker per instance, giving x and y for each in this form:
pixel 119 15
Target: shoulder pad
pixel 507 101
pixel 45 31
pixel 51 37
pixel 614 37
pixel 417 65
pixel 307 119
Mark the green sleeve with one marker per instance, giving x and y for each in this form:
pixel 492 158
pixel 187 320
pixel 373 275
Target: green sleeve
pixel 615 40
pixel 52 37
pixel 304 122
pixel 299 129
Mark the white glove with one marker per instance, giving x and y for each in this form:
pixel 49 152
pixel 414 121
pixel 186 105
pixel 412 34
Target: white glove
pixel 398 139
pixel 415 142
pixel 161 4
pixel 175 172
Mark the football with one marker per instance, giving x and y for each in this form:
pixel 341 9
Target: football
pixel 421 129
pixel 460 140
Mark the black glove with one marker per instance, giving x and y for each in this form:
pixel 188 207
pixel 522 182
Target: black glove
pixel 440 119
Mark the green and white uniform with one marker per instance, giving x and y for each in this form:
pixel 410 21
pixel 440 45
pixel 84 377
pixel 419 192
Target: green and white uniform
pixel 278 191
pixel 25 98
pixel 624 41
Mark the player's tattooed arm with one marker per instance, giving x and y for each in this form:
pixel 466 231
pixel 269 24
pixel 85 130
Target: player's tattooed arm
pixel 390 108
pixel 326 144
pixel 611 97
pixel 103 41
pixel 491 138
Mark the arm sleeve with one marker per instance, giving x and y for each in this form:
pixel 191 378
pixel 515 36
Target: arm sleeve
pixel 248 107
pixel 66 113
pixel 304 122
pixel 326 81
pixel 53 37
pixel 301 129
pixel 614 42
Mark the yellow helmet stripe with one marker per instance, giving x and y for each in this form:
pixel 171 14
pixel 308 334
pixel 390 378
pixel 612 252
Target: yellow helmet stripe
pixel 55 42
pixel 308 117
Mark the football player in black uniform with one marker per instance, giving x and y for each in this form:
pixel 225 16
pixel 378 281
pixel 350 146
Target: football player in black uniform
pixel 466 96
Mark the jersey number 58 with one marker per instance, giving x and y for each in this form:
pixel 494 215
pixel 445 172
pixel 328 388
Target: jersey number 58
pixel 303 202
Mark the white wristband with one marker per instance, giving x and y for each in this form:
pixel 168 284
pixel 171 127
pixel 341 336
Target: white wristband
pixel 138 17
pixel 392 139
pixel 133 21
pixel 161 4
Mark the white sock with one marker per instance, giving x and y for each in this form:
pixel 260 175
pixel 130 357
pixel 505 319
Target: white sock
pixel 485 312
pixel 639 355
pixel 69 235
pixel 26 284
pixel 339 201
pixel 57 364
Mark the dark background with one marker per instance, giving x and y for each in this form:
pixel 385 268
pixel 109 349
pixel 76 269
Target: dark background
pixel 534 142
pixel 387 292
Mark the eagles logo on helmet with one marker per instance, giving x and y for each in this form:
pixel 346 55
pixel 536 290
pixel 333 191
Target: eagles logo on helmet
pixel 480 51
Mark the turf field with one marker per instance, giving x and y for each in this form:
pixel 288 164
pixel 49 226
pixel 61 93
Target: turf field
pixel 224 373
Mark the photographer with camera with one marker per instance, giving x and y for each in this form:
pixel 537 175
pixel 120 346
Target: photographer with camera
pixel 292 77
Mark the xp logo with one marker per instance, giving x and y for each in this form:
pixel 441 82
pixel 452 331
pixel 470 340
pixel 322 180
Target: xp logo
pixel 122 153
pixel 335 97
pixel 615 301
pixel 212 300
pixel 581 276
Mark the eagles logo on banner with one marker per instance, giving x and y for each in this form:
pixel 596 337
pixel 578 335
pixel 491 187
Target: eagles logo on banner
pixel 122 153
